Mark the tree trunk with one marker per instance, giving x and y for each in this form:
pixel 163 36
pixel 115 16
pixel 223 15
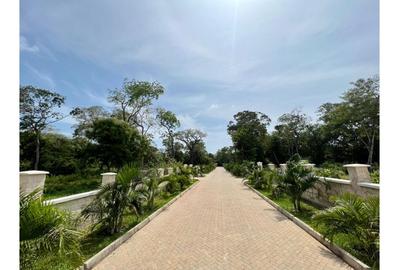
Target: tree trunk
pixel 37 152
pixel 371 151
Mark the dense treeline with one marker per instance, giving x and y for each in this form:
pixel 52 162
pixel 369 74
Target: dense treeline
pixel 102 139
pixel 346 132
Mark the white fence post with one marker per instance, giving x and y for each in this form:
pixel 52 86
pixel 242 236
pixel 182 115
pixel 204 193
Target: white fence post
pixel 108 178
pixel 358 173
pixel 271 166
pixel 31 180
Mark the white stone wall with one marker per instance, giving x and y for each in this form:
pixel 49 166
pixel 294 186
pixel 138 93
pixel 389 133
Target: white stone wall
pixel 359 183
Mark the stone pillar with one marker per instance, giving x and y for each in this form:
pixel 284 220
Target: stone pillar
pixel 160 172
pixel 31 180
pixel 260 165
pixel 108 178
pixel 309 166
pixel 170 170
pixel 283 167
pixel 358 173
pixel 271 166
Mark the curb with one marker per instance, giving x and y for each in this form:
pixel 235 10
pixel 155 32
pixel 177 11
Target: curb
pixel 90 263
pixel 341 253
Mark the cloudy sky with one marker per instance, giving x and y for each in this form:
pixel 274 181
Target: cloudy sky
pixel 214 57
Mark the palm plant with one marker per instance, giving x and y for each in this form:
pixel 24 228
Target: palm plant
pixel 45 230
pixel 356 219
pixel 150 186
pixel 262 179
pixel 108 208
pixel 295 181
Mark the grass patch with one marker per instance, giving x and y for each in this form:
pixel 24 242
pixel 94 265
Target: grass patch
pixel 93 243
pixel 64 185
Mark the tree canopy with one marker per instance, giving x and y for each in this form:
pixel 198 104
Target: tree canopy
pixel 38 110
pixel 249 134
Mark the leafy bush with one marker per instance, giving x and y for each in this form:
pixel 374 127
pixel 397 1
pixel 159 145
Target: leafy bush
pixel 207 168
pixel 334 170
pixel 375 176
pixel 45 230
pixel 113 199
pixel 240 169
pixel 173 184
pixel 355 221
pixel 295 181
pixel 262 179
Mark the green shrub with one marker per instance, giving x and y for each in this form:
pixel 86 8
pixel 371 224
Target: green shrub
pixel 45 230
pixel 375 176
pixel 355 222
pixel 262 179
pixel 173 184
pixel 333 170
pixel 240 169
pixel 295 181
pixel 207 168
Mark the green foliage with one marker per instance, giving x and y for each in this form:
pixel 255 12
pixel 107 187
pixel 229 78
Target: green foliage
pixel 240 169
pixel 116 142
pixel 262 179
pixel 296 180
pixel 224 155
pixel 63 185
pixel 334 170
pixel 150 185
pixel 355 120
pixel 38 110
pixel 249 134
pixel 193 139
pixel 113 199
pixel 357 219
pixel 168 121
pixel 45 230
pixel 86 117
pixel 291 128
pixel 207 168
pixel 375 176
pixel 177 183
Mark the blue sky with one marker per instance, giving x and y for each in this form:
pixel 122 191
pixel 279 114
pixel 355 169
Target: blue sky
pixel 215 58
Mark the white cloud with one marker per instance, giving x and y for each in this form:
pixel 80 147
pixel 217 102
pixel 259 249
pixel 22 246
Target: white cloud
pixel 24 46
pixel 43 76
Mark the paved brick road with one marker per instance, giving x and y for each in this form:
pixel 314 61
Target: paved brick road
pixel 221 224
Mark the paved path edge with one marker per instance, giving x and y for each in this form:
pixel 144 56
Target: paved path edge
pixel 341 253
pixel 95 259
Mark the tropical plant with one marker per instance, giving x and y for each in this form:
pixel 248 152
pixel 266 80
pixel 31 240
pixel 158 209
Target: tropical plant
pixel 150 186
pixel 356 219
pixel 44 230
pixel 296 180
pixel 262 179
pixel 113 199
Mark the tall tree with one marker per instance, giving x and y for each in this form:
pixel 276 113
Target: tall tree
pixel 357 116
pixel 169 122
pixel 116 143
pixel 291 127
pixel 249 134
pixel 134 102
pixel 85 117
pixel 38 110
pixel 193 140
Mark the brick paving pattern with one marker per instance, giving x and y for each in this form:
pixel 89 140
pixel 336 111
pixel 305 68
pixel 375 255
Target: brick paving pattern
pixel 221 224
